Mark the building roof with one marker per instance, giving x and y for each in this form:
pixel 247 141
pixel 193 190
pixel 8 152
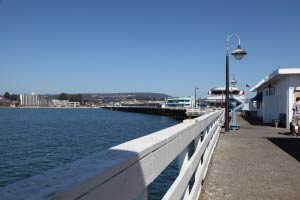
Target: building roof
pixel 223 88
pixel 180 98
pixel 278 72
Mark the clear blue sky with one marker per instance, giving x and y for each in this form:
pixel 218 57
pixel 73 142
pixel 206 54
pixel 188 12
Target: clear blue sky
pixel 162 46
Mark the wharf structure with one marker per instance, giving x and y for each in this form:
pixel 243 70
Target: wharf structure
pixel 155 104
pixel 276 94
pixel 177 113
pixel 175 107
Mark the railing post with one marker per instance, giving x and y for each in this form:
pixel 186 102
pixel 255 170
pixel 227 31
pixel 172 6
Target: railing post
pixel 183 160
pixel 186 194
pixel 197 145
pixel 206 152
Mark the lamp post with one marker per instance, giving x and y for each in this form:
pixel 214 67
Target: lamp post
pixel 238 54
pixel 196 96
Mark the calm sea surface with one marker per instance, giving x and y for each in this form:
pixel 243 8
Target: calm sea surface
pixel 33 141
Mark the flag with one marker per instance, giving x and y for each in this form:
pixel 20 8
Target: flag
pixel 247 85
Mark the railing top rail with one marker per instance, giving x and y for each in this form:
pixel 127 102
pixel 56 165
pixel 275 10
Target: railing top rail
pixel 81 178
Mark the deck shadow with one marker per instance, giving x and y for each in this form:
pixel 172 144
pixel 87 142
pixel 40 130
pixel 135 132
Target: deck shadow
pixel 256 122
pixel 285 133
pixel 289 145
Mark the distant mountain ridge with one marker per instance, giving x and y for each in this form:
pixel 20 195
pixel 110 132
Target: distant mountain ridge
pixel 138 95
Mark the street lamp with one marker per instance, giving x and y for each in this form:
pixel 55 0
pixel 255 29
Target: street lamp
pixel 238 54
pixel 196 96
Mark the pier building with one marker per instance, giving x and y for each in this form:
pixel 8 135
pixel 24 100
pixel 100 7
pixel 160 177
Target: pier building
pixel 276 94
pixel 179 102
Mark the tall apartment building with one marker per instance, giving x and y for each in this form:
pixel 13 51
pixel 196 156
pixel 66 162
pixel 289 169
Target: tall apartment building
pixel 29 99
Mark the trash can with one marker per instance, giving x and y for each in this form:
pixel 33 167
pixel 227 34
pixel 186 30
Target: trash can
pixel 276 123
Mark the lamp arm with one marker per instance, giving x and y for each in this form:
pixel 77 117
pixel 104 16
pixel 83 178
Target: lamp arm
pixel 229 37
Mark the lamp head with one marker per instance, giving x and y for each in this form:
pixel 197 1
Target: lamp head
pixel 239 53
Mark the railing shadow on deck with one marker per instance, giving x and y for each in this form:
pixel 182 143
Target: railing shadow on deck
pixel 289 145
pixel 126 170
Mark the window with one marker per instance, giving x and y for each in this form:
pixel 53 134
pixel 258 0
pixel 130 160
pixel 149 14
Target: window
pixel 272 90
pixel 267 93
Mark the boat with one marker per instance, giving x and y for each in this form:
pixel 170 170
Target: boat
pixel 216 96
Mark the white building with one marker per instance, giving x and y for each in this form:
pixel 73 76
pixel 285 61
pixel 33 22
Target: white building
pixel 73 104
pixel 276 94
pixel 59 103
pixel 64 103
pixel 29 99
pixel 179 102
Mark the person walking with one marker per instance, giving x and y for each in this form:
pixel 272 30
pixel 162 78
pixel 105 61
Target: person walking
pixel 296 116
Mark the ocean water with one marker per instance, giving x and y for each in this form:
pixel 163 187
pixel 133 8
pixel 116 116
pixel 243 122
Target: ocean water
pixel 33 141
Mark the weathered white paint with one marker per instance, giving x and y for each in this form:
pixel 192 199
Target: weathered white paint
pixel 125 171
pixel 274 75
pixel 284 81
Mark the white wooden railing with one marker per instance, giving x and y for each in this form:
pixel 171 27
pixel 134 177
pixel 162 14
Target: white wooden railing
pixel 125 171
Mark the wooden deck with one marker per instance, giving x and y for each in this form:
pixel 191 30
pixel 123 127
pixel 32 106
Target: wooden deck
pixel 255 162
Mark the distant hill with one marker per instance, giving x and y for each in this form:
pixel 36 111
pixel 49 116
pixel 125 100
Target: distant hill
pixel 127 95
pixel 132 94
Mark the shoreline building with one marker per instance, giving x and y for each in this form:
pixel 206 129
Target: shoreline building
pixel 276 94
pixel 64 103
pixel 29 99
pixel 73 104
pixel 179 102
pixel 59 103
